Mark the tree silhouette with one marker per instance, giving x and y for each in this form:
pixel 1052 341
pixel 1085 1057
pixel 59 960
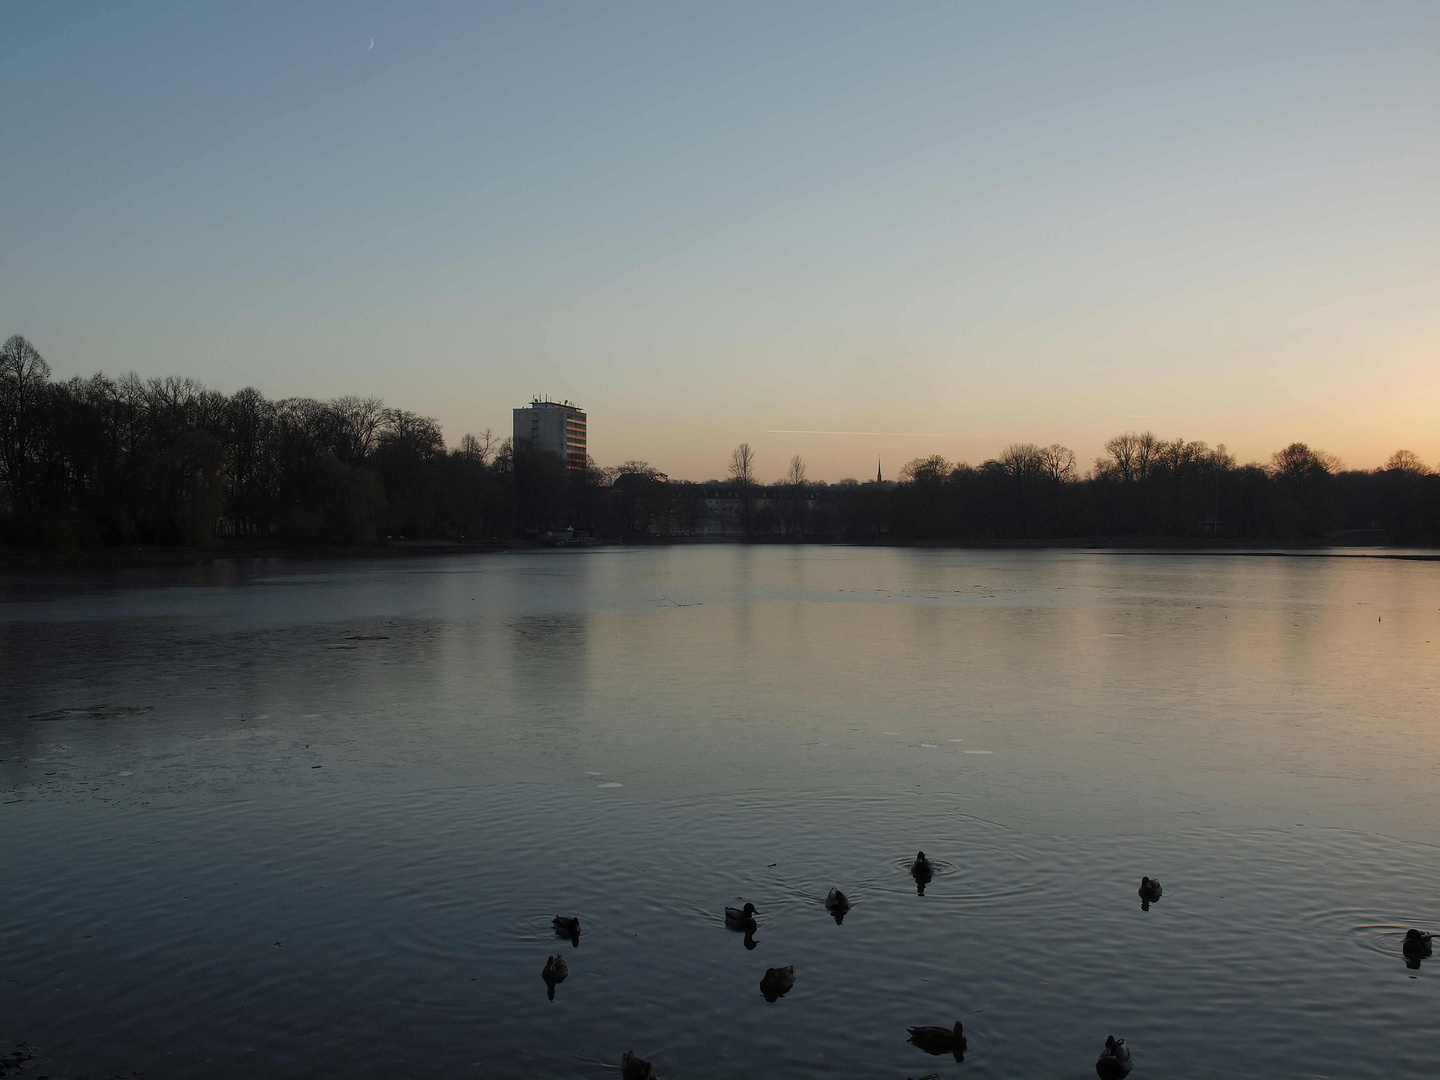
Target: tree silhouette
pixel 23 375
pixel 102 461
pixel 1406 462
pixel 742 471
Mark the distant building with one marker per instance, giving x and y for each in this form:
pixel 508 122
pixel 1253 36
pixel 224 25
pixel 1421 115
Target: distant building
pixel 553 427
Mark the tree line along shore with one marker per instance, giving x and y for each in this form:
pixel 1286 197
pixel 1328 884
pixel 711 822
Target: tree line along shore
pixel 101 463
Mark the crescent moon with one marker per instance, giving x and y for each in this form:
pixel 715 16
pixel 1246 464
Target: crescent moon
pixel 371 45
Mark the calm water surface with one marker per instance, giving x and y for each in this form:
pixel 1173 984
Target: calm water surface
pixel 292 819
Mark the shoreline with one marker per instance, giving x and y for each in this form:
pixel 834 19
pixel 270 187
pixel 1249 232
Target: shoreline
pixel 24 560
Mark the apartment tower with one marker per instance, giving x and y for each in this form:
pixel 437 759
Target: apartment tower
pixel 553 427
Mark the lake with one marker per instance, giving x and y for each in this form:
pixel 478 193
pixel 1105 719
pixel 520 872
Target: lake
pixel 298 818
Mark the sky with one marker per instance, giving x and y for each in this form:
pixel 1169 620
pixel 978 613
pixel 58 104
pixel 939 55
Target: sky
pixel 945 228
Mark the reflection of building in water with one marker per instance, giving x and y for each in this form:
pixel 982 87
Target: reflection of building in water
pixel 553 427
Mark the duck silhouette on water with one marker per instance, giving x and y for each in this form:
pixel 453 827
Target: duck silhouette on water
pixel 837 903
pixel 1150 892
pixel 1415 947
pixel 941 1040
pixel 636 1068
pixel 568 926
pixel 556 971
pixel 922 870
pixel 1114 1061
pixel 777 982
pixel 740 918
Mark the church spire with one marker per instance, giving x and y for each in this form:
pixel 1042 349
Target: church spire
pixel 878 478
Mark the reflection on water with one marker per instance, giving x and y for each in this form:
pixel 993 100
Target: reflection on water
pixel 318 819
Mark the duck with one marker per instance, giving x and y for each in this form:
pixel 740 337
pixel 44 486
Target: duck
pixel 636 1068
pixel 1150 889
pixel 922 869
pixel 777 982
pixel 941 1040
pixel 556 971
pixel 741 918
pixel 1416 946
pixel 1114 1061
pixel 568 926
pixel 837 903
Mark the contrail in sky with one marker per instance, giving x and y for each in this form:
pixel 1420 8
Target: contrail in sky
pixel 901 434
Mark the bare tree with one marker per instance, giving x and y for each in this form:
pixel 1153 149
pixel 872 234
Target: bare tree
pixel 358 423
pixel 742 465
pixel 1131 456
pixel 796 476
pixel 1180 458
pixel 1022 460
pixel 639 468
pixel 1407 462
pixel 1298 461
pixel 742 471
pixel 408 435
pixel 794 499
pixel 1058 463
pixel 23 375
pixel 931 470
pixel 478 449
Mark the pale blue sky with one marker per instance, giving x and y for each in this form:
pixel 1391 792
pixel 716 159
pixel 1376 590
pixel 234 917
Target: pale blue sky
pixel 704 223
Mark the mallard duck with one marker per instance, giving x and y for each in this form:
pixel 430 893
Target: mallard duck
pixel 1150 889
pixel 1416 946
pixel 568 926
pixel 556 971
pixel 777 982
pixel 1114 1061
pixel 940 1040
pixel 737 918
pixel 837 903
pixel 636 1068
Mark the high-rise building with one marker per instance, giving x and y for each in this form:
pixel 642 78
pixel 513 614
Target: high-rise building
pixel 553 427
